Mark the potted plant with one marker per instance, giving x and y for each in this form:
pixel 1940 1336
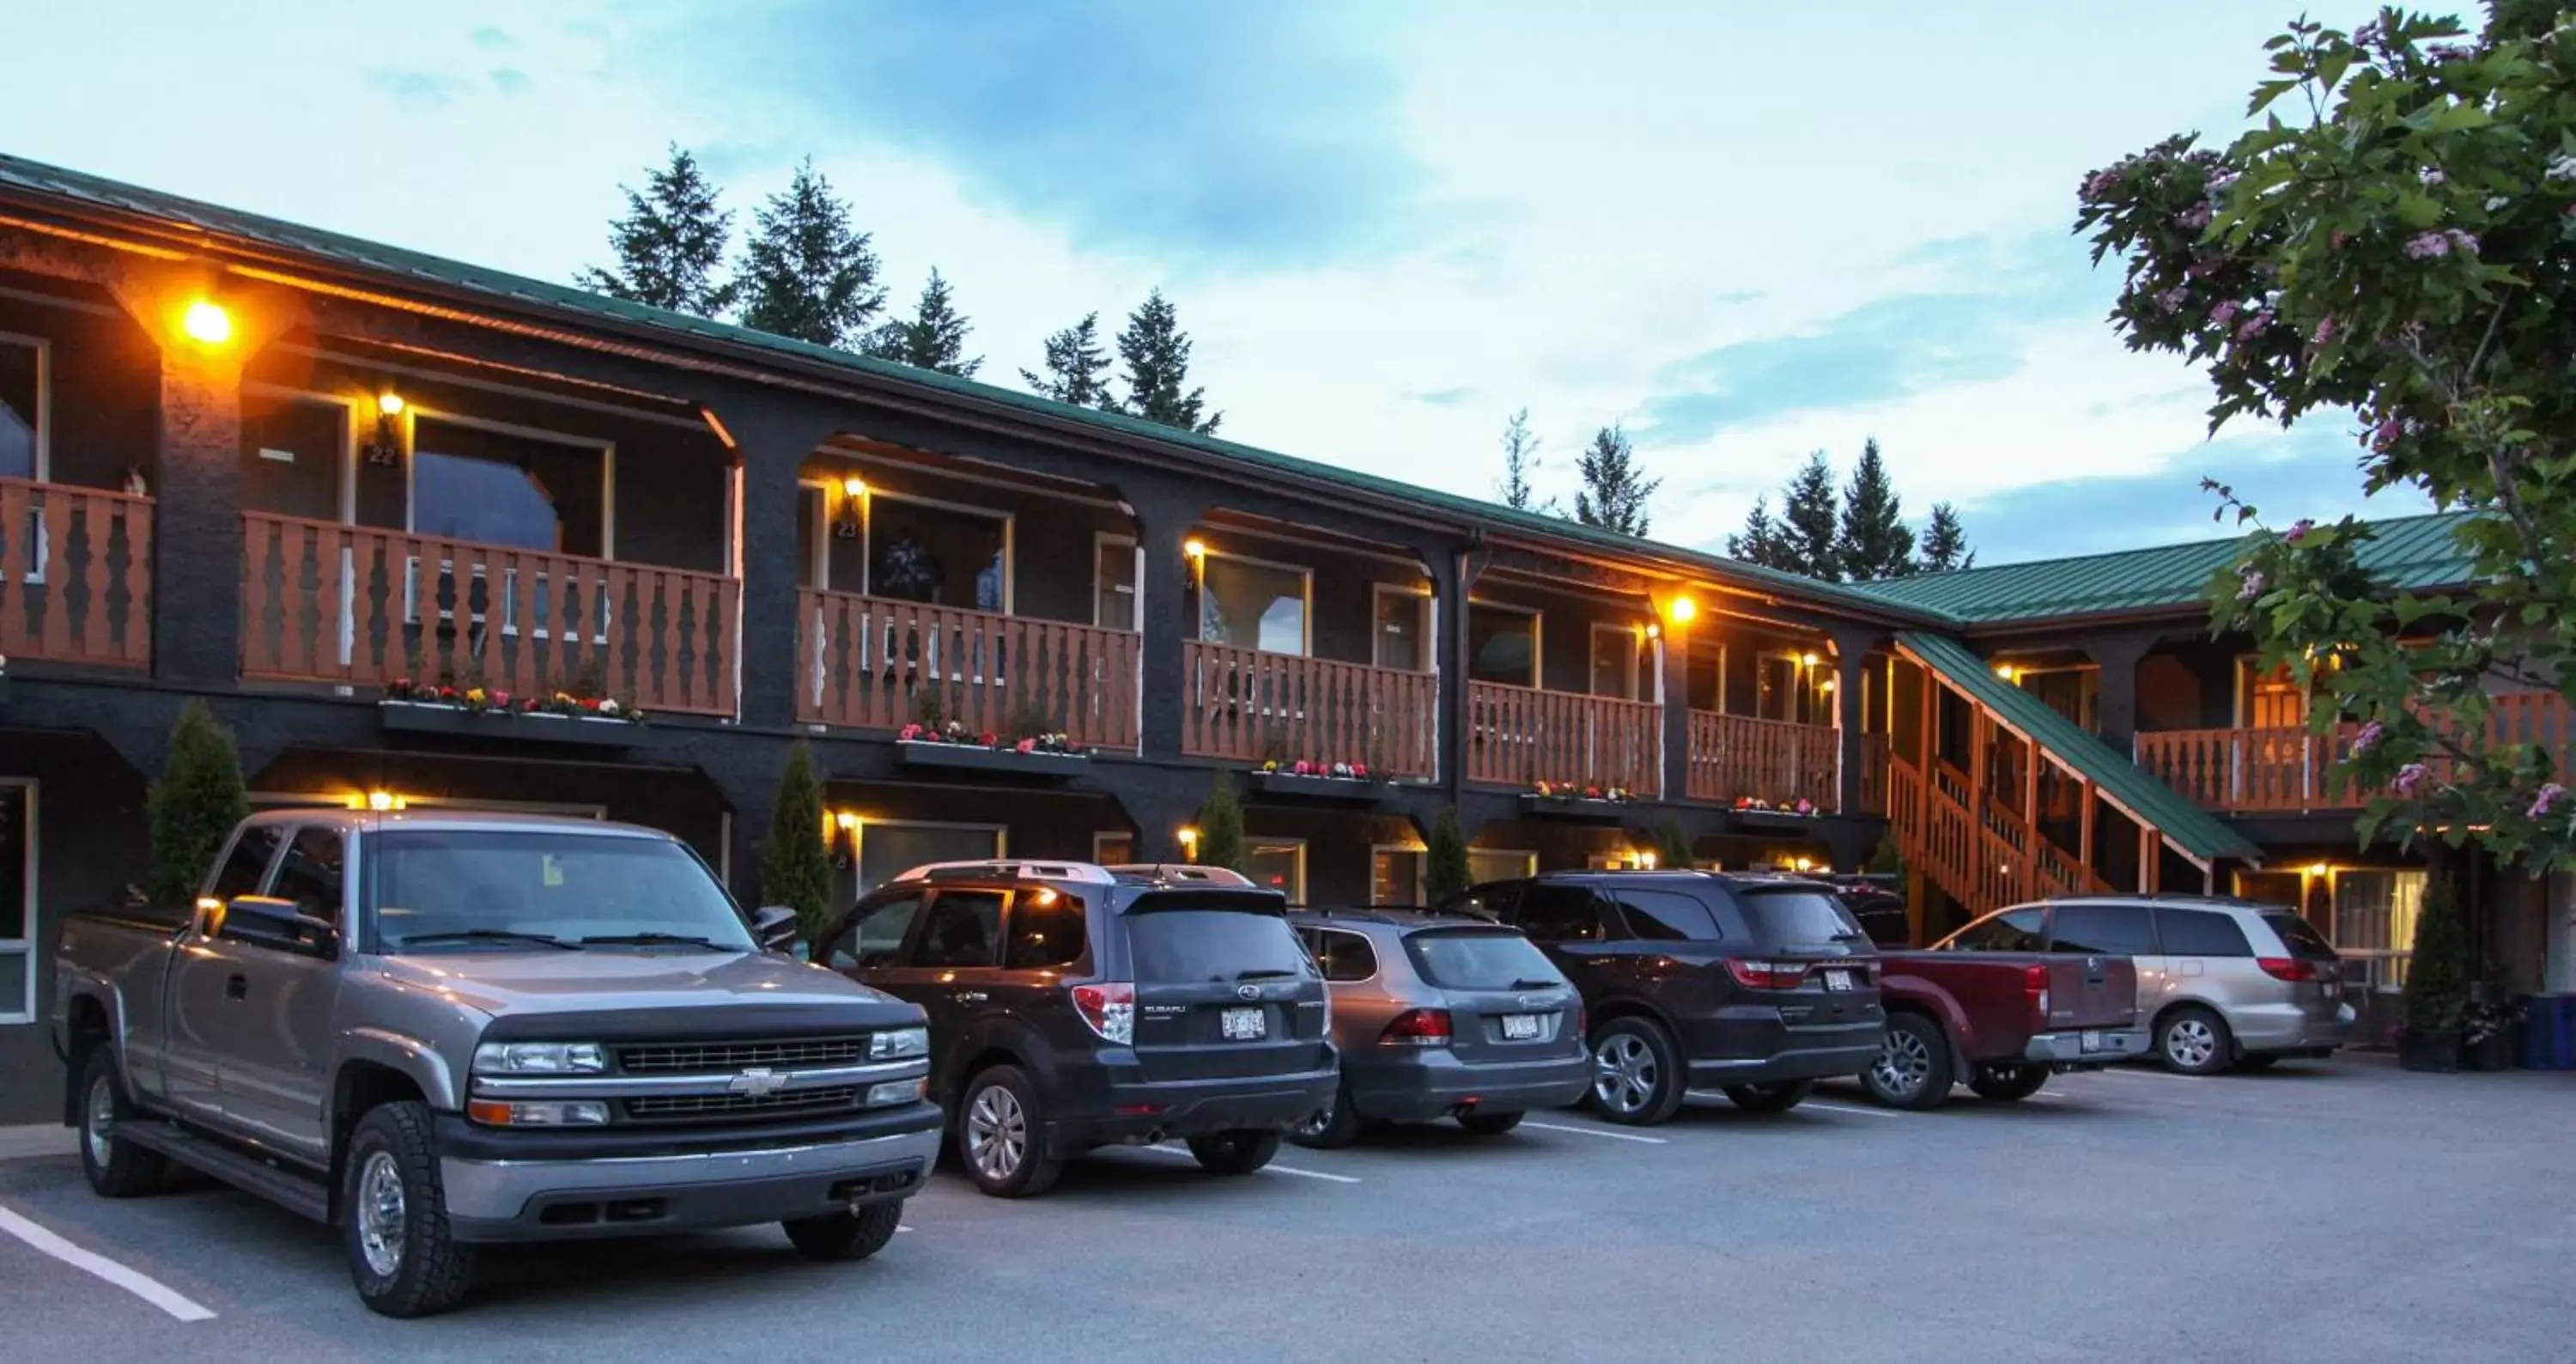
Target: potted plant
pixel 2437 985
pixel 2487 1030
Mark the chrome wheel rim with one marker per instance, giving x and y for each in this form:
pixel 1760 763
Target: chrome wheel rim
pixel 2189 1043
pixel 381 1214
pixel 1624 1073
pixel 997 1133
pixel 1904 1065
pixel 98 1130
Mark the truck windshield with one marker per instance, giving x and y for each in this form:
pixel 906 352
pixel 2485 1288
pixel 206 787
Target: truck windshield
pixel 481 889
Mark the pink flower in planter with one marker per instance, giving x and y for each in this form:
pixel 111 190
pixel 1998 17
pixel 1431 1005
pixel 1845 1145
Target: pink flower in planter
pixel 991 740
pixel 1026 746
pixel 909 733
pixel 1304 768
pixel 500 700
pixel 1804 806
pixel 1359 770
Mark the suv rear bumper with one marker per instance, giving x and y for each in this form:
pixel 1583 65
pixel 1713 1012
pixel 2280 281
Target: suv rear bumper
pixel 1117 1111
pixel 1437 1083
pixel 548 1199
pixel 2068 1048
pixel 1816 1053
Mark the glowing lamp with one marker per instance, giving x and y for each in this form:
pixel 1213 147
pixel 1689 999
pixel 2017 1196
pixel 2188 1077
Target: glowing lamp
pixel 390 403
pixel 1682 610
pixel 1194 547
pixel 2006 671
pixel 1654 630
pixel 206 323
pixel 1646 861
pixel 2318 869
pixel 1806 660
pixel 854 486
pixel 846 820
pixel 381 801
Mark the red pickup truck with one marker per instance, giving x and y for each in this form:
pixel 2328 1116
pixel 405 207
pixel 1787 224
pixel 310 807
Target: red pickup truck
pixel 2001 1022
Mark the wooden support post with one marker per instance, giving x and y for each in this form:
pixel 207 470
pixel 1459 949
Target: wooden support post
pixel 2084 830
pixel 2147 858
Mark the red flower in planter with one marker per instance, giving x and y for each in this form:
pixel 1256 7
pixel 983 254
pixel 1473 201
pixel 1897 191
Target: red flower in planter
pixel 992 740
pixel 1025 746
pixel 1303 768
pixel 1360 770
pixel 500 700
pixel 529 705
pixel 590 703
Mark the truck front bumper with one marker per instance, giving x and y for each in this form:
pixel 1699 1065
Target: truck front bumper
pixel 2086 1047
pixel 547 1199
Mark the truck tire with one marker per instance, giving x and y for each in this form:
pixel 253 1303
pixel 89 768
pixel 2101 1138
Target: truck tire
pixel 1636 1073
pixel 1334 1128
pixel 1002 1137
pixel 1779 1098
pixel 1913 1071
pixel 2007 1084
pixel 2194 1041
pixel 1239 1152
pixel 393 1217
pixel 117 1168
pixel 845 1235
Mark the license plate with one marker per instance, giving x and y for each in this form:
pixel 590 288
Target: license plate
pixel 1838 980
pixel 2093 1041
pixel 1520 1027
pixel 1243 1025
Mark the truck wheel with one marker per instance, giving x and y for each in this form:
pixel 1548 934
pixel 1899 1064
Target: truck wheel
pixel 1235 1153
pixel 1001 1135
pixel 1636 1072
pixel 1913 1067
pixel 393 1217
pixel 1489 1124
pixel 2007 1084
pixel 1779 1098
pixel 117 1168
pixel 2194 1041
pixel 845 1235
pixel 1333 1128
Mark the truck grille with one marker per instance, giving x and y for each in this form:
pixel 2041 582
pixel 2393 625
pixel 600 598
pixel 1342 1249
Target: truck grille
pixel 680 1107
pixel 672 1058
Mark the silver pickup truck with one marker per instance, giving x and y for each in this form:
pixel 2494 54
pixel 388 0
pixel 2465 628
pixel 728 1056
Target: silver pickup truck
pixel 437 1030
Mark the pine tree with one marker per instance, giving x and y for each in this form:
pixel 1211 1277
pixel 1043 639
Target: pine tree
pixel 1077 368
pixel 1520 460
pixel 2437 975
pixel 1808 522
pixel 934 339
pixel 1944 545
pixel 1759 542
pixel 1614 491
pixel 1221 826
pixel 1446 873
pixel 669 244
pixel 1157 353
pixel 795 870
pixel 194 806
pixel 805 272
pixel 1673 848
pixel 1875 542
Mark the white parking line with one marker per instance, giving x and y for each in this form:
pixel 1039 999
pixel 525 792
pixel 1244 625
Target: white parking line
pixel 1272 1169
pixel 1596 1132
pixel 901 1227
pixel 1864 1112
pixel 141 1285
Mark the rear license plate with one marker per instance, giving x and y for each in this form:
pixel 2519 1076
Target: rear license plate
pixel 2093 1041
pixel 1243 1025
pixel 1838 980
pixel 1520 1027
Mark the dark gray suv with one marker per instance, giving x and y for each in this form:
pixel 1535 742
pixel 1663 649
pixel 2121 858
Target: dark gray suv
pixel 1439 1016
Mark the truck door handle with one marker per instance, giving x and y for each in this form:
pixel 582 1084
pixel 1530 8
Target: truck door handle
pixel 236 987
pixel 968 996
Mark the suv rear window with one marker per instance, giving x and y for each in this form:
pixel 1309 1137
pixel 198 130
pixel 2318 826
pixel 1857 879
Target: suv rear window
pixel 1196 941
pixel 1667 914
pixel 2201 933
pixel 1797 915
pixel 2300 936
pixel 1478 959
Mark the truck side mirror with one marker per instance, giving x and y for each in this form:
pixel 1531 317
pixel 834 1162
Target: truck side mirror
pixel 774 926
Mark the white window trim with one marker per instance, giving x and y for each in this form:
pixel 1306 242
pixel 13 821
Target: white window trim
pixel 43 465
pixel 1538 642
pixel 1636 646
pixel 1422 626
pixel 1421 871
pixel 348 407
pixel 820 569
pixel 1010 541
pixel 1297 888
pixel 1720 698
pixel 413 413
pixel 1305 607
pixel 1135 579
pixel 24 948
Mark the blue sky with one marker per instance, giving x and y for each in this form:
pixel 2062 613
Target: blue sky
pixel 1746 232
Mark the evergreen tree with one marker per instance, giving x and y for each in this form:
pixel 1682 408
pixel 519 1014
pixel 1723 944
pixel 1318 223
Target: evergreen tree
pixel 1520 460
pixel 669 244
pixel 1221 826
pixel 1077 368
pixel 1157 353
pixel 1673 847
pixel 1615 489
pixel 1759 542
pixel 1875 542
pixel 805 272
pixel 795 870
pixel 935 338
pixel 1446 874
pixel 1809 523
pixel 194 806
pixel 2437 975
pixel 1945 542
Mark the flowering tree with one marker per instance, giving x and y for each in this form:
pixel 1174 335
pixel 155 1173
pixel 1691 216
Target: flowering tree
pixel 2395 244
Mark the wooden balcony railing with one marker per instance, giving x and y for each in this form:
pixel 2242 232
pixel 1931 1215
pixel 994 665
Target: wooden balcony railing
pixel 872 663
pixel 75 575
pixel 1769 760
pixel 1246 705
pixel 1517 736
pixel 325 602
pixel 2288 771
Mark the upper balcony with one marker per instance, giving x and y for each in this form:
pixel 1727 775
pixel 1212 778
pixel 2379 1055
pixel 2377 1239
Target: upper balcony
pixel 75 575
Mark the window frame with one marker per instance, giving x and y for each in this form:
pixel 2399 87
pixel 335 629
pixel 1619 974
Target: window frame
pixel 31 926
pixel 1538 642
pixel 1421 874
pixel 411 417
pixel 1528 868
pixel 1305 608
pixel 1296 891
pixel 1798 679
pixel 1101 541
pixel 1100 857
pixel 1422 627
pixel 1631 656
pixel 1610 926
pixel 868 549
pixel 858 840
pixel 40 468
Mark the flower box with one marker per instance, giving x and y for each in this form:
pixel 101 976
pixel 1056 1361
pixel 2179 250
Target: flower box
pixel 431 717
pixel 1592 808
pixel 971 757
pixel 1307 786
pixel 1773 819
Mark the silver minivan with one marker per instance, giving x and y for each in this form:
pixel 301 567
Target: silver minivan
pixel 2221 982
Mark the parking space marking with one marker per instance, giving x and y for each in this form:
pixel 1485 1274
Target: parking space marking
pixel 901 1227
pixel 139 1284
pixel 1864 1112
pixel 1597 1132
pixel 1270 1169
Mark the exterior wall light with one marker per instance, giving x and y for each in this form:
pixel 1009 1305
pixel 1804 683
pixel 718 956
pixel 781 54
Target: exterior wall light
pixel 386 448
pixel 1682 610
pixel 2007 672
pixel 1194 547
pixel 206 323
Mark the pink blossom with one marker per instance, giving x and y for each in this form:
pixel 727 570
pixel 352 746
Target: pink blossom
pixel 2409 777
pixel 1359 769
pixel 2223 314
pixel 1303 768
pixel 2253 586
pixel 2099 183
pixel 2171 300
pixel 2254 325
pixel 909 733
pixel 2465 243
pixel 2193 218
pixel 2325 333
pixel 2548 796
pixel 2431 176
pixel 2427 246
pixel 2367 739
pixel 2386 434
pixel 2298 530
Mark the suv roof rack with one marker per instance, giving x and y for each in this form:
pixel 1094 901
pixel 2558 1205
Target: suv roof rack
pixel 1176 871
pixel 1018 868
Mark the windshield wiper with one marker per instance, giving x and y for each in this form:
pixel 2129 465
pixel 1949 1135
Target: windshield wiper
pixel 1268 973
pixel 649 940
pixel 486 935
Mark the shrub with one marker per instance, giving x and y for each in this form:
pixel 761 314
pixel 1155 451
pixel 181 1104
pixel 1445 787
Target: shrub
pixel 195 805
pixel 1221 826
pixel 795 868
pixel 1445 873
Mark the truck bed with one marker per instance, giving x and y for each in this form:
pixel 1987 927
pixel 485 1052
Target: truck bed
pixel 1993 1013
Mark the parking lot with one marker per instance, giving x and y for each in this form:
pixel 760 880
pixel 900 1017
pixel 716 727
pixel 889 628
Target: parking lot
pixel 2344 1210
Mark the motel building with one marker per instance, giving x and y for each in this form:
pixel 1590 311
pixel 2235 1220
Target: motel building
pixel 303 477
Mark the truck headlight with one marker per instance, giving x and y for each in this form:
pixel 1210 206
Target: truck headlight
pixel 540 1058
pixel 550 1113
pixel 895 1044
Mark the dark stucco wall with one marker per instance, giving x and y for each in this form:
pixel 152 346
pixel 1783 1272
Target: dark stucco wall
pixel 105 381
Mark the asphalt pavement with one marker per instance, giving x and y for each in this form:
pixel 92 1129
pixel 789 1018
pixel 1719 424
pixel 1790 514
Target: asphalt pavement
pixel 2341 1210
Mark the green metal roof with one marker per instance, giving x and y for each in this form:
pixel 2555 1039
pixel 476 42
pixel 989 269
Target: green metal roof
pixel 2185 825
pixel 2411 552
pixel 396 266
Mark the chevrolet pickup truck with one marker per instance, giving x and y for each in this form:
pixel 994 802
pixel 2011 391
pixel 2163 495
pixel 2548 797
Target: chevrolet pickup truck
pixel 1977 1009
pixel 437 1030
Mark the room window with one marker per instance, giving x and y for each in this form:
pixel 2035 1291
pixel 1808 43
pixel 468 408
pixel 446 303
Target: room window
pixel 1395 876
pixel 1706 677
pixel 22 406
pixel 1789 688
pixel 940 556
pixel 888 850
pixel 1252 605
pixel 1278 863
pixel 2270 700
pixel 1614 661
pixel 1402 631
pixel 505 488
pixel 1491 864
pixel 2374 922
pixel 1113 583
pixel 18 926
pixel 1113 849
pixel 1502 644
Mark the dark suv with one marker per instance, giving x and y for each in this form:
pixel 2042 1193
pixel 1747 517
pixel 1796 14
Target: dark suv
pixel 1755 985
pixel 1074 1006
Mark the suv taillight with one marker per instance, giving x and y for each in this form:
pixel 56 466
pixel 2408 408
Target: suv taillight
pixel 1417 1028
pixel 1110 1009
pixel 1755 974
pixel 2034 987
pixel 2289 968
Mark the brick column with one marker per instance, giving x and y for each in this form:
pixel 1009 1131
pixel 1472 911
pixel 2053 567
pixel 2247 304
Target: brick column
pixel 2118 658
pixel 1164 521
pixel 1446 649
pixel 773 435
pixel 197 514
pixel 1672 672
pixel 1851 660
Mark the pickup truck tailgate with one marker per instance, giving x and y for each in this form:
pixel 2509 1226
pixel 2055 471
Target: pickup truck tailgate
pixel 2092 992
